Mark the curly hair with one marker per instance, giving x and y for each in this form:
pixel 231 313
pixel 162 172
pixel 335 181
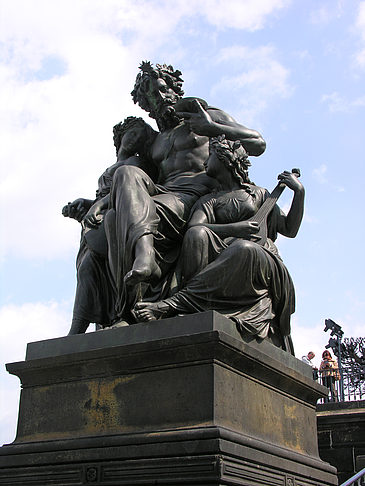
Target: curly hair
pixel 234 157
pixel 167 73
pixel 133 122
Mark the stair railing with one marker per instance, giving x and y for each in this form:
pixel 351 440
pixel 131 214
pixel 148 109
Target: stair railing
pixel 357 480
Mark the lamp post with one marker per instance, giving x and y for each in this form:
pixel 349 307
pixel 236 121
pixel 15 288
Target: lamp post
pixel 335 344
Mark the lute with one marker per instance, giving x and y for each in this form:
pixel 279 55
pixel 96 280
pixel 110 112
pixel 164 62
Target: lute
pixel 262 214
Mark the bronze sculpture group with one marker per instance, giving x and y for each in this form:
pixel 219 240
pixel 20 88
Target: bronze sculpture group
pixel 174 228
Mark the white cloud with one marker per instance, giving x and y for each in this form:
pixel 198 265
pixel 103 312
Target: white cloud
pixel 57 135
pixel 320 175
pixel 360 20
pixel 328 12
pixel 352 322
pixel 359 28
pixel 309 218
pixel 57 131
pixel 31 322
pixel 261 77
pixel 309 338
pixel 305 55
pixel 313 338
pixel 240 14
pixel 360 58
pixel 22 324
pixel 338 104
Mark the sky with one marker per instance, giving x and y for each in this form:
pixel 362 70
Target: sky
pixel 290 69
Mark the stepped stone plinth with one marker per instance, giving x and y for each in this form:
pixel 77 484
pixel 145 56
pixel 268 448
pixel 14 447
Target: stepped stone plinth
pixel 178 401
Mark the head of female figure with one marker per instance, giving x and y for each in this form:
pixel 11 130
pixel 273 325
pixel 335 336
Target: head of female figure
pixel 225 155
pixel 133 135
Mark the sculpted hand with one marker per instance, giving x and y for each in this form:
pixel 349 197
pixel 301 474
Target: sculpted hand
pixel 248 230
pixel 93 217
pixel 290 179
pixel 200 121
pixel 75 210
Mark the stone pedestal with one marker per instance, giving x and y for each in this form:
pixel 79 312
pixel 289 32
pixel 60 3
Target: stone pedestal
pixel 341 436
pixel 177 401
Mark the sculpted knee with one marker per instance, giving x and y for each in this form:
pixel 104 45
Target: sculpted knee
pixel 196 233
pixel 246 246
pixel 125 173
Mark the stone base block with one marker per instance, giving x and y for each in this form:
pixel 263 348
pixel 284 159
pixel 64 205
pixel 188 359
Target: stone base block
pixel 177 401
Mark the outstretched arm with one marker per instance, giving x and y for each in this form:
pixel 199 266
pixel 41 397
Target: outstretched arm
pixel 77 209
pixel 289 225
pixel 213 122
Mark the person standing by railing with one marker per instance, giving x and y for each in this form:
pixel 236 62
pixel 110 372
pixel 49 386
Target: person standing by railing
pixel 329 373
pixel 308 360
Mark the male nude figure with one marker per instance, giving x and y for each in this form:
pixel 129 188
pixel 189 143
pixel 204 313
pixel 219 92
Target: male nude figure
pixel 147 221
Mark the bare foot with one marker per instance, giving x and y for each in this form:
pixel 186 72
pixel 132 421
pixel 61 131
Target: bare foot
pixel 144 267
pixel 144 270
pixel 151 311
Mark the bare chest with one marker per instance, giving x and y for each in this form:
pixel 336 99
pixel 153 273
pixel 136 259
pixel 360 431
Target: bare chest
pixel 170 143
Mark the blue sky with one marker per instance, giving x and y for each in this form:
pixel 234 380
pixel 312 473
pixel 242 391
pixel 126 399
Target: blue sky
pixel 293 70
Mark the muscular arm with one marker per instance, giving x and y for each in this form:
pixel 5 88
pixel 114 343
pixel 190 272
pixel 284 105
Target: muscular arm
pixel 289 225
pixel 224 124
pixel 212 122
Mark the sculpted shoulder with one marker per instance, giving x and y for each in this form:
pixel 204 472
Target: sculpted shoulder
pixel 219 115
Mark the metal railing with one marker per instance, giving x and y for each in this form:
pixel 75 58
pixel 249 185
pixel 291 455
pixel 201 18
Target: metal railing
pixel 350 387
pixel 357 480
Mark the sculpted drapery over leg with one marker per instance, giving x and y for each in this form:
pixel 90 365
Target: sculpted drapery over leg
pixel 144 242
pixel 136 258
pixel 224 268
pixel 95 297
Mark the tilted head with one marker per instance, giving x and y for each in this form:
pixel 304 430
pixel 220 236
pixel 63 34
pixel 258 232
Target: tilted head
pixel 139 133
pixel 310 355
pixel 232 155
pixel 157 89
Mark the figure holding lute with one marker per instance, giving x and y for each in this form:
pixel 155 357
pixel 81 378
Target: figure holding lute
pixel 229 260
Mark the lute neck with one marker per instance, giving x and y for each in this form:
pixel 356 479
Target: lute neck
pixel 269 203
